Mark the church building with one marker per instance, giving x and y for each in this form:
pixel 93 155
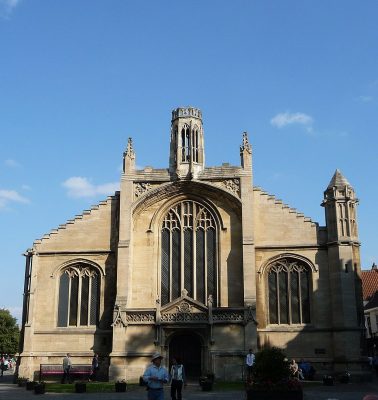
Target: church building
pixel 198 263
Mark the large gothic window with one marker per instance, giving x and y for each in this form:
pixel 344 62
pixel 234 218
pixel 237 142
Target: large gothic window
pixel 78 296
pixel 188 253
pixel 289 292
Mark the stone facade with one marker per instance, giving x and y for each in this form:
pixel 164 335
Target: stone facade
pixel 196 262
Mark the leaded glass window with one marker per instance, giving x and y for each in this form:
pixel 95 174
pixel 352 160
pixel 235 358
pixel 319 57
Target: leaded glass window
pixel 289 292
pixel 189 253
pixel 78 296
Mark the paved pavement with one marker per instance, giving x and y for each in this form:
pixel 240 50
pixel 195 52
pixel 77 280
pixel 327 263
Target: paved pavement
pixel 10 391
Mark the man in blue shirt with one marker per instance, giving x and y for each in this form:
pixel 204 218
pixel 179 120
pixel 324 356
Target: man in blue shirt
pixel 155 376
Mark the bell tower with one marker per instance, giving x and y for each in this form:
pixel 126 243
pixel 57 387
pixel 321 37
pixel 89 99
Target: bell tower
pixel 187 157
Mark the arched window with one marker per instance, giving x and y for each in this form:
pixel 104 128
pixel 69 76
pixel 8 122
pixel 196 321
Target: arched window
pixel 185 143
pixel 188 253
pixel 78 296
pixel 190 139
pixel 195 143
pixel 289 292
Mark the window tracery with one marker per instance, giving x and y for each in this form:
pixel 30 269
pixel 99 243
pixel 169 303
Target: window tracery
pixel 188 252
pixel 190 139
pixel 78 296
pixel 289 292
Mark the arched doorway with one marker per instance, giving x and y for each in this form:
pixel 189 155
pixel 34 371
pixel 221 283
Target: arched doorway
pixel 187 347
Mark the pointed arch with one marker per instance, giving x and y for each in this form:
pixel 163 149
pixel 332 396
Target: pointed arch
pixel 186 143
pixel 288 283
pixel 189 251
pixel 79 294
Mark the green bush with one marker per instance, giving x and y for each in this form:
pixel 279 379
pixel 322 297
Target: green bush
pixel 271 365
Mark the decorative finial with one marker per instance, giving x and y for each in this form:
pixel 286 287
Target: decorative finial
pixel 184 292
pixel 129 157
pixel 245 144
pixel 129 150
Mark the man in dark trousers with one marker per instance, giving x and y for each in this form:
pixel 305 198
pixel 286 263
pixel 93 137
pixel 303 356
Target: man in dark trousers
pixel 67 365
pixel 177 379
pixel 95 367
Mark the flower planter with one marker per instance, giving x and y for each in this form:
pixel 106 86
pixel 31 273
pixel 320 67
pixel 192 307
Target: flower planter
pixel 207 386
pixel 30 385
pixel 21 382
pixel 328 381
pixel 80 387
pixel 120 386
pixel 258 394
pixel 39 388
pixel 345 378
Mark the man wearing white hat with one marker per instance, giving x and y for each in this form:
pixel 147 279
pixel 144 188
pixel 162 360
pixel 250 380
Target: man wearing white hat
pixel 155 376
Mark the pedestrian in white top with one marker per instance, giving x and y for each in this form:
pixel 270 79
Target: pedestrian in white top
pixel 249 361
pixel 178 379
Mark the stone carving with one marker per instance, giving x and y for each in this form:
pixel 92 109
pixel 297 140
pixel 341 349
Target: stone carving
pixel 118 319
pixel 129 149
pixel 141 187
pixel 141 316
pixel 184 307
pixel 250 315
pixel 184 317
pixel 186 112
pixel 183 312
pixel 246 146
pixel 232 185
pixel 228 316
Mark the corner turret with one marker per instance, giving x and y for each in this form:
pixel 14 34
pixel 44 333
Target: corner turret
pixel 340 208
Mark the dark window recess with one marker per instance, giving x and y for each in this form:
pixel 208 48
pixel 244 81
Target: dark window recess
pixel 165 250
pixel 189 252
pixel 74 299
pixel 79 296
pixel 63 300
pixel 289 292
pixel 320 351
pixel 273 314
pixel 200 265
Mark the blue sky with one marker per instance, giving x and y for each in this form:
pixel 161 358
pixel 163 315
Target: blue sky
pixel 77 78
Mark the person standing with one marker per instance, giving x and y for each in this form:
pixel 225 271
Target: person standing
pixel 375 363
pixel 294 370
pixel 155 376
pixel 95 367
pixel 178 379
pixel 249 361
pixel 2 366
pixel 67 365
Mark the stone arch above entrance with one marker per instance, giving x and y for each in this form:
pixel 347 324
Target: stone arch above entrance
pixel 187 346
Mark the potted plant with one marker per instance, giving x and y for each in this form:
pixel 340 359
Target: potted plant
pixel 328 380
pixel 207 381
pixel 39 388
pixel 345 377
pixel 80 387
pixel 21 381
pixel 120 386
pixel 271 378
pixel 30 385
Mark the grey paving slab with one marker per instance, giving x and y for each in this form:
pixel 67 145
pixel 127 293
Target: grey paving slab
pixel 9 391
